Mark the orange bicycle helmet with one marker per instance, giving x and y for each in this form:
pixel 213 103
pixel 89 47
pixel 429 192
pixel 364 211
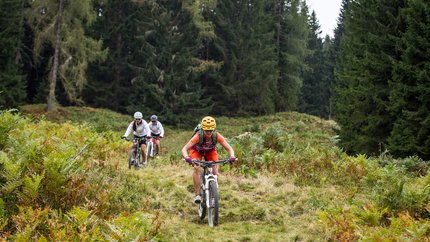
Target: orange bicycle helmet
pixel 208 123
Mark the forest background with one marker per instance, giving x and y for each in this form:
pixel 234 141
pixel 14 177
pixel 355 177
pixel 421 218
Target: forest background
pixel 183 59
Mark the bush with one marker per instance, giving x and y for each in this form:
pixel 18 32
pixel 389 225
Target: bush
pixel 46 168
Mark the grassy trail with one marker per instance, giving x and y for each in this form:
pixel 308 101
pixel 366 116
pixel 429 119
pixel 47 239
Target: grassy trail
pixel 266 208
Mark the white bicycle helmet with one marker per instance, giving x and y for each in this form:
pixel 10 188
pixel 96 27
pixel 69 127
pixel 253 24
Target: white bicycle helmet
pixel 138 115
pixel 154 118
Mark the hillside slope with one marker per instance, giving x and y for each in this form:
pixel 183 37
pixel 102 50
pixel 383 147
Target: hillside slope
pixel 292 183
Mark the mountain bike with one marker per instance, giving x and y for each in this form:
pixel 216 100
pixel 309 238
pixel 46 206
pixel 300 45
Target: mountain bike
pixel 151 148
pixel 135 154
pixel 209 191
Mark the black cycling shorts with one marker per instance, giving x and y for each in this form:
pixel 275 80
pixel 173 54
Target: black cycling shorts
pixel 142 140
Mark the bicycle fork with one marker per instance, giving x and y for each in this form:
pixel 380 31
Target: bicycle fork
pixel 208 179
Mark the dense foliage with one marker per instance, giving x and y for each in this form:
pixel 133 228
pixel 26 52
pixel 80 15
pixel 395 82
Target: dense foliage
pixel 382 100
pixel 185 59
pixel 55 185
pixel 12 81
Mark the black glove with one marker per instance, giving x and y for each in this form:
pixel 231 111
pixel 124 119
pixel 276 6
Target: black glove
pixel 123 137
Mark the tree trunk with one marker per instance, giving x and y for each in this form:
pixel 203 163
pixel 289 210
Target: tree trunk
pixel 55 64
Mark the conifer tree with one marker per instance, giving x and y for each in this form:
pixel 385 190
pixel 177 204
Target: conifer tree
pixel 12 82
pixel 60 25
pixel 363 71
pixel 314 92
pixel 166 64
pixel 329 82
pixel 109 83
pixel 245 46
pixel 332 51
pixel 340 27
pixel 410 86
pixel 291 40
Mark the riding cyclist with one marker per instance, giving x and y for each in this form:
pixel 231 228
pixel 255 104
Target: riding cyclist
pixel 140 130
pixel 157 132
pixel 203 145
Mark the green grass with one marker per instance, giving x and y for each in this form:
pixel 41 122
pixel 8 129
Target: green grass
pixel 292 183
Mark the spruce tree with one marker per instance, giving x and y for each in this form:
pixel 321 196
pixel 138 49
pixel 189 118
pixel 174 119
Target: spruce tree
pixel 410 86
pixel 109 83
pixel 245 46
pixel 363 71
pixel 291 41
pixel 166 64
pixel 314 92
pixel 12 82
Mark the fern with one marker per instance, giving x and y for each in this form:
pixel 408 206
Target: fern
pixel 30 189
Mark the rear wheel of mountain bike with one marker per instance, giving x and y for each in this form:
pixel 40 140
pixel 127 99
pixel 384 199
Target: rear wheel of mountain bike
pixel 137 160
pixel 213 204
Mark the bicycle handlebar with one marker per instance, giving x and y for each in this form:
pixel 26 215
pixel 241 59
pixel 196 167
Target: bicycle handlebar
pixel 204 163
pixel 128 139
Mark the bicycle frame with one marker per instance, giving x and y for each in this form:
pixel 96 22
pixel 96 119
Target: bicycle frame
pixel 150 148
pixel 136 149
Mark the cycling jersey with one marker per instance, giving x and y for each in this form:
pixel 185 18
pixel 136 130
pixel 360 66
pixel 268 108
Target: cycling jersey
pixel 141 129
pixel 156 129
pixel 207 149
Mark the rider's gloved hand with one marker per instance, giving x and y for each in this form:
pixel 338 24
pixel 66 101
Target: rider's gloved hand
pixel 123 137
pixel 232 159
pixel 189 160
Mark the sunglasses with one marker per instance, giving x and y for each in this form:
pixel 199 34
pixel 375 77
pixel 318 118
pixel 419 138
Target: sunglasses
pixel 208 131
pixel 138 119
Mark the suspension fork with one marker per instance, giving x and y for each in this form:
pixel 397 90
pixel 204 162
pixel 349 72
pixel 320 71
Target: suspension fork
pixel 209 176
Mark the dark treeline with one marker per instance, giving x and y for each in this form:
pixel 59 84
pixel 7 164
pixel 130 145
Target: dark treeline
pixel 178 59
pixel 183 59
pixel 382 95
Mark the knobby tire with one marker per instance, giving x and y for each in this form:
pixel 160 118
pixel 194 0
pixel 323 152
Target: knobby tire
pixel 137 160
pixel 213 204
pixel 131 158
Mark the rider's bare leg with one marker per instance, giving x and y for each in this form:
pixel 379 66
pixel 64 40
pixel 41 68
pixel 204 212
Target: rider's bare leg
pixel 143 147
pixel 216 170
pixel 157 143
pixel 196 179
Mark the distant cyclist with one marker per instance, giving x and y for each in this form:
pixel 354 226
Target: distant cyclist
pixel 140 130
pixel 203 145
pixel 157 131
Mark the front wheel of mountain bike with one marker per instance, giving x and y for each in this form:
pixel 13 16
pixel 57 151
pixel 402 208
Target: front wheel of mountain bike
pixel 213 204
pixel 137 160
pixel 132 158
pixel 150 150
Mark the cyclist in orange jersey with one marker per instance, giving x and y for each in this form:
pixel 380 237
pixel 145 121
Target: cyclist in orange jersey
pixel 203 145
